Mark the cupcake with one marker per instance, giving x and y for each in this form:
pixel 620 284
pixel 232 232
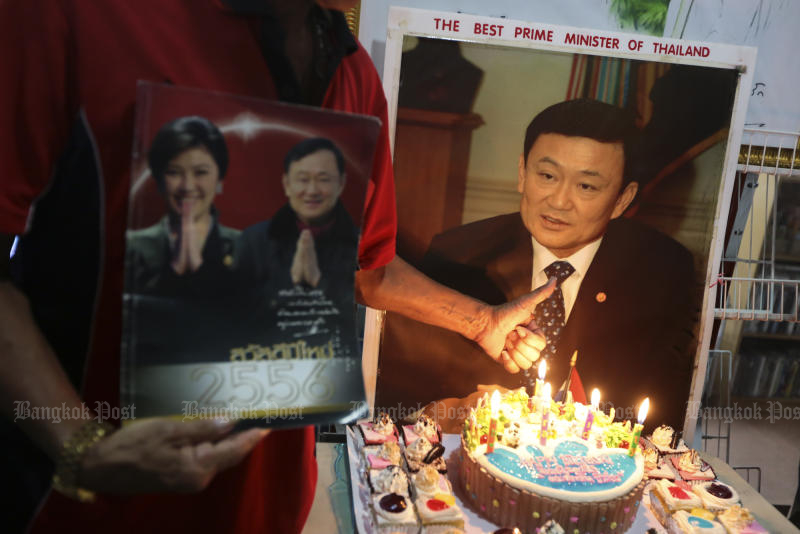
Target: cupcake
pixel 380 457
pixel 421 452
pixel 394 513
pixel 667 442
pixel 424 427
pixel 429 482
pixel 381 431
pixel 668 497
pixel 439 512
pixel 655 466
pixel 389 480
pixel 738 520
pixel 716 496
pixel 692 468
pixel 683 522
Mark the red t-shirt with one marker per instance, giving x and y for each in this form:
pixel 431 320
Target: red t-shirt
pixel 68 60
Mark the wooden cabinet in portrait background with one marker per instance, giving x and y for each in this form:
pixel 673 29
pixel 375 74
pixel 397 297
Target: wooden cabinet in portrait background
pixel 430 167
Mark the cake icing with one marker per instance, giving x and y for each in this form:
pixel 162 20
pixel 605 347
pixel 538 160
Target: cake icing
pixel 570 469
pixel 417 450
pixel 716 495
pixel 547 461
pixel 391 480
pixel 692 524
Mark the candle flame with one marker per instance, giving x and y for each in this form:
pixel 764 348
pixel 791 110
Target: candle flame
pixel 546 391
pixel 595 398
pixel 542 369
pixel 643 410
pixel 494 403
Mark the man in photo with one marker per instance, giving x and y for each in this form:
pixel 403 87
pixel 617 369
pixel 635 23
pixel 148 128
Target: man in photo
pixel 311 240
pixel 624 298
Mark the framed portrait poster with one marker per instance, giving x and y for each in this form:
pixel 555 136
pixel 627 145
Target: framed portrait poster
pixel 463 93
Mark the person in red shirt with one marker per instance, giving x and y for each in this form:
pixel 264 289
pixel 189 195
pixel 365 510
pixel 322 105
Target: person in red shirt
pixel 70 69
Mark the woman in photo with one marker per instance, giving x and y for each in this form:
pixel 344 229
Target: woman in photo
pixel 187 253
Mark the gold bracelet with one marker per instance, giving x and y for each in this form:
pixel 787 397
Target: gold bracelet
pixel 69 461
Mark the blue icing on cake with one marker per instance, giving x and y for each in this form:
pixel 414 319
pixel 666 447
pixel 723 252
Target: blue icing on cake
pixel 700 522
pixel 567 454
pixel 509 462
pixel 533 450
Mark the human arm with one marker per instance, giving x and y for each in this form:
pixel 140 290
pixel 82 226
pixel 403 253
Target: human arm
pixel 156 455
pixel 401 288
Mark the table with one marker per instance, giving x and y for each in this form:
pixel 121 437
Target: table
pixel 770 518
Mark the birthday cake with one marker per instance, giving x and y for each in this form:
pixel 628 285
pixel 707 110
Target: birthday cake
pixel 527 460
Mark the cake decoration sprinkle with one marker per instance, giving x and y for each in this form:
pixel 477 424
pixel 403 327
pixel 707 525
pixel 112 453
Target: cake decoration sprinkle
pixel 536 515
pixel 573 519
pixel 613 524
pixel 495 503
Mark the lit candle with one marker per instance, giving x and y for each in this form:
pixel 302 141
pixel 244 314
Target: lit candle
pixel 637 428
pixel 587 426
pixel 540 381
pixel 545 414
pixel 494 403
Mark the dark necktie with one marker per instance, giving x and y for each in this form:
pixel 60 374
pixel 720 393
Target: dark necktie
pixel 549 314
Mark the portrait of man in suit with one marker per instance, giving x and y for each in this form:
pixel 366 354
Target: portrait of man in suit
pixel 624 299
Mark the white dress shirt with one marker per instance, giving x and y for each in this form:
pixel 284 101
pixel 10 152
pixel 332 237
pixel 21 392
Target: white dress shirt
pixel 580 261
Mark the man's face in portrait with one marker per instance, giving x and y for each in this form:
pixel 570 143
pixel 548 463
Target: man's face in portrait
pixel 313 185
pixel 571 188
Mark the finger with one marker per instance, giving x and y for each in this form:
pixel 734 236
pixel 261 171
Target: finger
pixel 508 362
pixel 231 450
pixel 186 215
pixel 533 339
pixel 532 299
pixel 197 431
pixel 512 340
pixel 521 358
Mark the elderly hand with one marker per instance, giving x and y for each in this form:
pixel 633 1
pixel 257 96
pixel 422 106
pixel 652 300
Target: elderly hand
pixel 161 455
pixel 509 334
pixel 305 267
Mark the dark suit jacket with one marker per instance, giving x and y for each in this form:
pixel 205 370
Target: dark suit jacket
pixel 266 253
pixel 632 322
pixel 148 269
pixel 267 249
pixel 171 318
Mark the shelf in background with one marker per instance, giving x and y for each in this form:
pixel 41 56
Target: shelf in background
pixel 765 335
